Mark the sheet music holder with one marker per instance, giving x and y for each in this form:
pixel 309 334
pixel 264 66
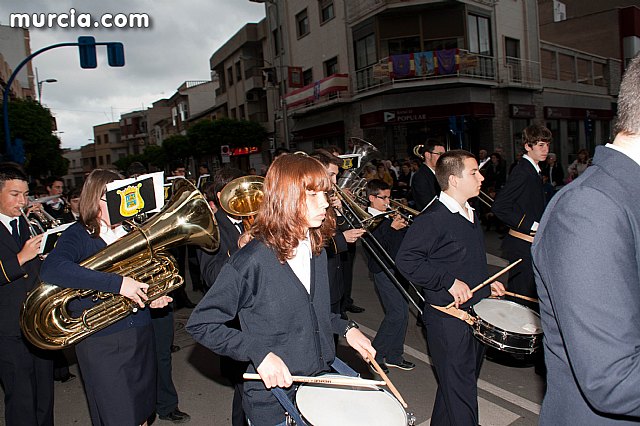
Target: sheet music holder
pixel 50 238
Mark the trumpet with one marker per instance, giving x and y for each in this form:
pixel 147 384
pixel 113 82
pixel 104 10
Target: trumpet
pixel 403 210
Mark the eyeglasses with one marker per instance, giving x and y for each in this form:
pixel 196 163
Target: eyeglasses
pixel 436 152
pixel 385 197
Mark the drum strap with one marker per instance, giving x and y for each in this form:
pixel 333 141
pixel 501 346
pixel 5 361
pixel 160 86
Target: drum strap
pixel 281 396
pixel 455 312
pixel 288 405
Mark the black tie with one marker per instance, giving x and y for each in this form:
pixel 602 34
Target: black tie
pixel 14 231
pixel 240 227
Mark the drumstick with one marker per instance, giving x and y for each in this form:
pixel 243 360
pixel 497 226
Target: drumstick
pixel 335 381
pixel 392 388
pixel 520 296
pixel 491 279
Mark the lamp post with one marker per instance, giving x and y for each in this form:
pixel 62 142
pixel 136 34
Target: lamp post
pixel 281 67
pixel 40 83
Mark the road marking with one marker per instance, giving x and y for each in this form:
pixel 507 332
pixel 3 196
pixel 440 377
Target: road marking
pixel 490 414
pixel 482 384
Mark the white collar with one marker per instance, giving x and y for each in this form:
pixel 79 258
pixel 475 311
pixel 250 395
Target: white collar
pixel 454 207
pixel 631 151
pixel 110 235
pixel 373 211
pixel 6 221
pixel 533 163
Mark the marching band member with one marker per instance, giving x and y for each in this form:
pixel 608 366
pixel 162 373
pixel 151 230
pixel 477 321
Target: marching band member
pixel 55 207
pixel 118 363
pixel 520 205
pixel 444 253
pixel 389 340
pixel 277 285
pixel 26 373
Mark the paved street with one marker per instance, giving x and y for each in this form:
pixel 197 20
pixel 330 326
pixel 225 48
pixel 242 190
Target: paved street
pixel 508 395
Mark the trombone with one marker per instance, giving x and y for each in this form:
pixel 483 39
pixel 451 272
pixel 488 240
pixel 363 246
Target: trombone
pixel 403 210
pixel 485 198
pixel 357 217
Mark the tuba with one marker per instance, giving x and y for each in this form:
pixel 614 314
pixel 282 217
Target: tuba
pixel 350 179
pixel 142 255
pixel 242 198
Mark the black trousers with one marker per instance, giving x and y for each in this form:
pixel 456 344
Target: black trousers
pixel 457 357
pixel 521 279
pixel 167 397
pixel 26 374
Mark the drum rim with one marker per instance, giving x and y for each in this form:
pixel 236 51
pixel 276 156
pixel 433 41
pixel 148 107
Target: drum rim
pixel 478 318
pixel 372 387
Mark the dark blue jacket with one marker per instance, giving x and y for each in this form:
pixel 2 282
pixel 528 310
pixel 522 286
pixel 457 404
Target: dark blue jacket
pixel 276 315
pixel 61 268
pixel 439 247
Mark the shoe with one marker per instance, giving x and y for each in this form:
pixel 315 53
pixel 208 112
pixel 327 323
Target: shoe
pixel 355 309
pixel 69 377
pixel 382 365
pixel 175 348
pixel 176 416
pixel 402 365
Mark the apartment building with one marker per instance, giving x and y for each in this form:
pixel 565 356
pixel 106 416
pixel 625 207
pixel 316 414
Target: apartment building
pixel 471 73
pixel 15 45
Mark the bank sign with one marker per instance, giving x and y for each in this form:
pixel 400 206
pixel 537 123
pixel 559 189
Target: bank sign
pixel 404 116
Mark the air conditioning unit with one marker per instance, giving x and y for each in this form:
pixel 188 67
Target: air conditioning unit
pixel 251 97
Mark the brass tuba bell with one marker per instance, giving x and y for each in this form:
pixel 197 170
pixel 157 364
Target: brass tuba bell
pixel 242 196
pixel 142 255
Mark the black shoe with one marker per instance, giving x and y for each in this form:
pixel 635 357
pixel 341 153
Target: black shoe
pixel 69 377
pixel 176 416
pixel 382 365
pixel 402 365
pixel 355 309
pixel 175 348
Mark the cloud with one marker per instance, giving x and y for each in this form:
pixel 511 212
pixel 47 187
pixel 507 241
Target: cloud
pixel 177 47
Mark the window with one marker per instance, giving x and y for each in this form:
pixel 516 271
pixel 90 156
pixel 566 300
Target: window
pixel 331 66
pixel 238 71
pixel 233 113
pixel 479 38
pixel 241 112
pixel 327 11
pixel 365 51
pixel 230 75
pixel 108 158
pixel 276 42
pixel 512 56
pixel 307 77
pixel 302 23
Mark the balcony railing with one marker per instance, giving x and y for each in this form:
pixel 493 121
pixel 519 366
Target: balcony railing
pixel 419 66
pixel 522 72
pixel 334 88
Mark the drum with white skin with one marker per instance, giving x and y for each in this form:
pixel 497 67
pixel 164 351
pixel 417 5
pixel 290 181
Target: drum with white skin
pixel 507 326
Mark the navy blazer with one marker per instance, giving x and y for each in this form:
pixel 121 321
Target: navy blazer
pixel 211 263
pixel 15 280
pixel 521 201
pixel 587 264
pixel 276 314
pixel 424 186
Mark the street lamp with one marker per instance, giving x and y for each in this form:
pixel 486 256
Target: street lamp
pixel 40 83
pixel 281 66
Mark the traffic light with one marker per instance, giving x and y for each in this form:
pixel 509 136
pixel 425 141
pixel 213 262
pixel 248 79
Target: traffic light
pixel 115 54
pixel 87 50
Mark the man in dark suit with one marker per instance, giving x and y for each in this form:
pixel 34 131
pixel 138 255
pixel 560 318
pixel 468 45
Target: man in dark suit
pixel 25 372
pixel 520 205
pixel 424 185
pixel 230 228
pixel 590 294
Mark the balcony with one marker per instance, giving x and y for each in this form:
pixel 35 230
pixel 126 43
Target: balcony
pixel 425 67
pixel 330 90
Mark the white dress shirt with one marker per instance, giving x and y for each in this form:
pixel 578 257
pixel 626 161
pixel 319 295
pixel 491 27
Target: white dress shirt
pixel 454 207
pixel 301 263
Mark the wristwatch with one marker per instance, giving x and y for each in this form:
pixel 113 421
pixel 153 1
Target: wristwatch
pixel 351 324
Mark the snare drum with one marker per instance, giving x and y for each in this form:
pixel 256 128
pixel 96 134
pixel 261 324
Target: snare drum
pixel 507 326
pixel 322 405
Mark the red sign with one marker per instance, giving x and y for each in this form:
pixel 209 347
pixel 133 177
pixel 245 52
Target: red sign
pixel 295 76
pixel 245 150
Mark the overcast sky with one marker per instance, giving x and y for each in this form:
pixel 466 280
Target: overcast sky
pixel 176 48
